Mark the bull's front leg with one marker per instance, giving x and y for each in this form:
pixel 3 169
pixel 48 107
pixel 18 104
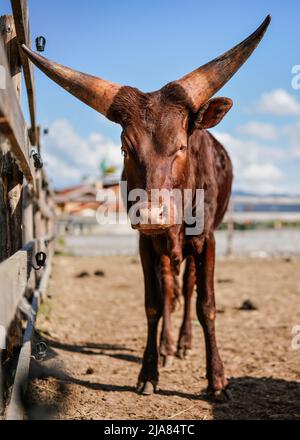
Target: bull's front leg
pixel 206 311
pixel 167 346
pixel 148 377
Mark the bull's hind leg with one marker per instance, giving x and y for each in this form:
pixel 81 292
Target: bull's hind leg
pixel 206 311
pixel 185 334
pixel 177 296
pixel 148 377
pixel 167 346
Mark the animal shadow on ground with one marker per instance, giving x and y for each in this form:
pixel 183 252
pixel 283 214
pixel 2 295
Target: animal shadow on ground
pixel 116 351
pixel 253 398
pixel 260 398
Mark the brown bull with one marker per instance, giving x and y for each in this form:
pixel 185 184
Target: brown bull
pixel 166 146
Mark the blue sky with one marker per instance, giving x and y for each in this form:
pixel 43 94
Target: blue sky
pixel 147 44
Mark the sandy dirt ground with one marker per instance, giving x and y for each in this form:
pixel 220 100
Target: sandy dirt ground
pixel 95 329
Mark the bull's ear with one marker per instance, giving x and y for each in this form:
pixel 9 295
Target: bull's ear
pixel 212 112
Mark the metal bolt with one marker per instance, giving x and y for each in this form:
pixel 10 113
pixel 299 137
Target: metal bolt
pixel 38 162
pixel 40 43
pixel 40 259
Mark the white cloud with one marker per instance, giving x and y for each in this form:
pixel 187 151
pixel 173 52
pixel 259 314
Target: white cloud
pixel 246 151
pixel 286 136
pixel 263 172
pixel 279 102
pixel 260 130
pixel 256 166
pixel 292 133
pixel 69 157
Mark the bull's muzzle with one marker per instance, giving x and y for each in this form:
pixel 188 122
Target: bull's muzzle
pixel 152 218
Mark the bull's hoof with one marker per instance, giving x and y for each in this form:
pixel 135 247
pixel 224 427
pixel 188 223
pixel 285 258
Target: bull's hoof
pixel 167 361
pixel 220 396
pixel 182 353
pixel 146 388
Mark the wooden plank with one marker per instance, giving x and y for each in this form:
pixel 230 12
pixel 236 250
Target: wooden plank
pixel 12 179
pixel 5 235
pixel 46 209
pixel 15 410
pixel 9 40
pixel 1 383
pixel 14 273
pixel 27 206
pixel 21 17
pixel 12 122
pixel 242 217
pixel 265 200
pixel 46 183
pixel 46 275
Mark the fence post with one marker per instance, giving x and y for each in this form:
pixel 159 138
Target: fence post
pixel 9 41
pixel 25 208
pixel 11 180
pixel 5 237
pixel 27 227
pixel 11 190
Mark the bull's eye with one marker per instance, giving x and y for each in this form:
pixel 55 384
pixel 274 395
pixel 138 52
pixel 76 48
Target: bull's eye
pixel 124 153
pixel 182 148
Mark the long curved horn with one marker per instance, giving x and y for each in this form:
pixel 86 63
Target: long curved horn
pixel 93 91
pixel 201 84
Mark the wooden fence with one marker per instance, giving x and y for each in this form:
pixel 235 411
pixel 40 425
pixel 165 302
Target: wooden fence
pixel 26 209
pixel 277 210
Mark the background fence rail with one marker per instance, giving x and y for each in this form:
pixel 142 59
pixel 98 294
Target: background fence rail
pixel 26 207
